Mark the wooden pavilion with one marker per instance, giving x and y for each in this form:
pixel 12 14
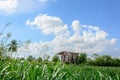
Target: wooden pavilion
pixel 69 57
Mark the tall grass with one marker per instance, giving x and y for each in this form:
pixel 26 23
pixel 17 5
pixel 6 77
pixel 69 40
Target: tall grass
pixel 24 70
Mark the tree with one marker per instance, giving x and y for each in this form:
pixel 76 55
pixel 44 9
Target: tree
pixel 55 58
pixel 115 62
pixel 46 57
pixel 82 58
pixel 95 55
pixel 39 59
pixel 1 51
pixel 22 58
pixel 12 47
pixel 104 60
pixel 30 58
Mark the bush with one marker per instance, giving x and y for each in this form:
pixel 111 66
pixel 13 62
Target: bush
pixel 30 58
pixel 82 58
pixel 55 58
pixel 39 59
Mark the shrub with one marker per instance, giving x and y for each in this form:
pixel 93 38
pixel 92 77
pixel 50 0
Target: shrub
pixel 55 58
pixel 82 58
pixel 30 58
pixel 39 59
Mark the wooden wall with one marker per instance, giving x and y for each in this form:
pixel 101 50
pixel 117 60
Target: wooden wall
pixel 69 57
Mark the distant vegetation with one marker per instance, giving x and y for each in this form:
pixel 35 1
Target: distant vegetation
pixel 95 68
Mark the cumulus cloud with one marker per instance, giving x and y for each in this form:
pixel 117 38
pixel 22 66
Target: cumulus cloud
pixel 90 39
pixel 48 24
pixel 8 6
pixel 76 26
pixel 23 6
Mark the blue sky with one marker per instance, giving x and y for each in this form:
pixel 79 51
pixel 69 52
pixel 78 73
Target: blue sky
pixel 90 26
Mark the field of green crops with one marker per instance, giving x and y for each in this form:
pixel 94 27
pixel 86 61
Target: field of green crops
pixel 24 70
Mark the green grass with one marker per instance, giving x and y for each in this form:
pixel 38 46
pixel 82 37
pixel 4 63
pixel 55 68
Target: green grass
pixel 24 70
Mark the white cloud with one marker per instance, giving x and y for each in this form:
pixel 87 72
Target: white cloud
pixel 76 26
pixel 90 39
pixel 113 41
pixel 23 6
pixel 48 24
pixel 8 6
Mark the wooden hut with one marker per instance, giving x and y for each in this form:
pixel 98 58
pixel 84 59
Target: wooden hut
pixel 69 57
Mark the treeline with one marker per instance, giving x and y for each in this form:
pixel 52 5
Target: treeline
pixel 97 60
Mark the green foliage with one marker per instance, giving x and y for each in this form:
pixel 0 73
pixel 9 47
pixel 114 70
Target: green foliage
pixel 3 44
pixel 95 55
pixel 104 60
pixel 82 58
pixel 55 58
pixel 39 59
pixel 1 51
pixel 46 57
pixel 30 58
pixel 4 41
pixel 24 70
pixel 13 45
pixel 21 59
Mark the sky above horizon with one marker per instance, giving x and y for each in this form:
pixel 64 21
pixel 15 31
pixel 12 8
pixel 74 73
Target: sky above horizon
pixel 90 26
